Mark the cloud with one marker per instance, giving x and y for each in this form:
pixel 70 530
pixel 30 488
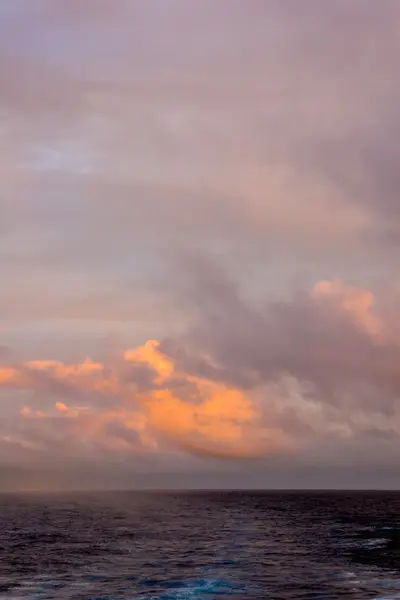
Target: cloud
pixel 233 145
pixel 153 131
pixel 309 376
pixel 326 360
pixel 201 417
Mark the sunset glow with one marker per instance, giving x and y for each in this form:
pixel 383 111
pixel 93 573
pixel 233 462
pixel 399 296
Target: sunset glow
pixel 199 226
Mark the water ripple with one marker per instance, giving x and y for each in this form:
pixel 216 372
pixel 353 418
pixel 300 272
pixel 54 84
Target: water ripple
pixel 203 546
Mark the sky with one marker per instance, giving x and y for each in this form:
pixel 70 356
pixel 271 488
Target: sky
pixel 199 244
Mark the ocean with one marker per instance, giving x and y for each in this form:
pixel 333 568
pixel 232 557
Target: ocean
pixel 200 545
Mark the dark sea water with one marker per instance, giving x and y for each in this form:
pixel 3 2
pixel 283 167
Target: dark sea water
pixel 206 545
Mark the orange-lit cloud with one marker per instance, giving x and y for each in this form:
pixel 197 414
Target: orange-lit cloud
pixel 221 421
pixel 176 405
pixel 358 303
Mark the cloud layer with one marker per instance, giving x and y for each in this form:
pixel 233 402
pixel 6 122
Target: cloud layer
pixel 223 179
pixel 312 381
pixel 139 404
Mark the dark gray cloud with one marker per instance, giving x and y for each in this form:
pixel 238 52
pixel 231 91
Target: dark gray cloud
pixel 331 339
